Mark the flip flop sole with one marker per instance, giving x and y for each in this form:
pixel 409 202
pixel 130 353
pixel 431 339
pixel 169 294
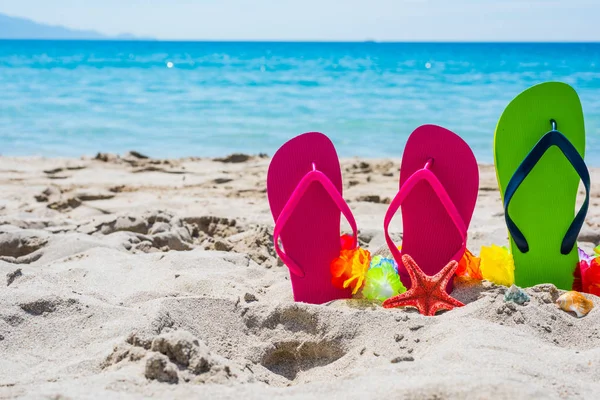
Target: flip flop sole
pixel 429 235
pixel 311 236
pixel 543 206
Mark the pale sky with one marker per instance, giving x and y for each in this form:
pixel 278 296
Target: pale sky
pixel 397 20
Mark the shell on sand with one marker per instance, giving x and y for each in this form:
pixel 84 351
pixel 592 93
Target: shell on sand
pixel 575 302
pixel 516 294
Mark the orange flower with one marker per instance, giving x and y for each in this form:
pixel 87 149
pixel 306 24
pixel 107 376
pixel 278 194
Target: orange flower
pixel 468 267
pixel 341 267
pixel 350 268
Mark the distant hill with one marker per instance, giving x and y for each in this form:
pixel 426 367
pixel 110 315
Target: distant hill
pixel 21 28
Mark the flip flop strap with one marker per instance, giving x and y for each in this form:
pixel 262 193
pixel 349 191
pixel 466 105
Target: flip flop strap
pixel 552 138
pixel 438 188
pixel 312 176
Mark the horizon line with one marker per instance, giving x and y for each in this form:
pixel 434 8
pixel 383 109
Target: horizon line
pixel 370 41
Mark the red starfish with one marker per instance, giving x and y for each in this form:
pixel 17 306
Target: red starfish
pixel 427 293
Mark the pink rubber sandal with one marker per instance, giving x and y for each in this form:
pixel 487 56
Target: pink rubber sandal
pixel 304 187
pixel 439 180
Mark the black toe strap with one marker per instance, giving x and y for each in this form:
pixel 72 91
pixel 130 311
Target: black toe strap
pixel 552 138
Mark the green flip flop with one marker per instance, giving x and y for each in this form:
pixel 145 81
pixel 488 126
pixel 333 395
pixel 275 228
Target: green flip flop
pixel 539 146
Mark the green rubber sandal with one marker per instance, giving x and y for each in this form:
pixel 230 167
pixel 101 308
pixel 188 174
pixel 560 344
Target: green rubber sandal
pixel 539 146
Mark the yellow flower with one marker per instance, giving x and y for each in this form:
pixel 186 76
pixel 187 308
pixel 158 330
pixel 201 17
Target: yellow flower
pixel 497 265
pixel 361 259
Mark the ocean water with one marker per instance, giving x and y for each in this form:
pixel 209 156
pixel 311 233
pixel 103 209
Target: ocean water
pixel 169 99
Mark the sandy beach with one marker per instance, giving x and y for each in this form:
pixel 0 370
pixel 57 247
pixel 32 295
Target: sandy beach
pixel 129 277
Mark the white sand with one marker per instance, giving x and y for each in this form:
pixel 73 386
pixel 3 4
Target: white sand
pixel 119 276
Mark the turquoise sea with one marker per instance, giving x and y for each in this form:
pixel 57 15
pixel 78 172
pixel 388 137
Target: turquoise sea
pixel 169 99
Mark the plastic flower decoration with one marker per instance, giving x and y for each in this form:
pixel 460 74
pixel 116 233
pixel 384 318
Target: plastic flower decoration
pixel 497 265
pixel 577 284
pixel 587 273
pixel 584 263
pixel 346 242
pixel 382 280
pixel 583 256
pixel 468 267
pixel 350 268
pixel 380 261
pixel 590 278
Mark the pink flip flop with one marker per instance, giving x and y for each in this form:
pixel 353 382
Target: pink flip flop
pixel 304 186
pixel 439 180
